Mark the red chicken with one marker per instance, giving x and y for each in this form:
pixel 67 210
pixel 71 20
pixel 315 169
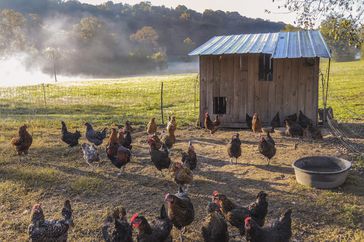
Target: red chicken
pixel 189 159
pixel 256 124
pixel 279 231
pixel 23 142
pixel 209 125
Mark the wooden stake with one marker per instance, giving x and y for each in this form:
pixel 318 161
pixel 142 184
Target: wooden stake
pixel 162 103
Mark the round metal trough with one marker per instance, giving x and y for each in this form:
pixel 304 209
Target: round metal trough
pixel 321 171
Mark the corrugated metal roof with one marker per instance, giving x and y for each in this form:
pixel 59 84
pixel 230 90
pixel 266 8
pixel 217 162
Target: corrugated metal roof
pixel 279 45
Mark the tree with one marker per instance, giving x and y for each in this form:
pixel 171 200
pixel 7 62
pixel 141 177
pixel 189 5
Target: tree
pixel 12 31
pixel 89 28
pixel 146 36
pixel 53 55
pixel 291 28
pixel 310 12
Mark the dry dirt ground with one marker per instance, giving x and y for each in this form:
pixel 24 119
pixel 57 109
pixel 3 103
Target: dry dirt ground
pixel 50 176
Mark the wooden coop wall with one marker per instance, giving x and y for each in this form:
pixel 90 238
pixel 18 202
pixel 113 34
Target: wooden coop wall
pixel 294 87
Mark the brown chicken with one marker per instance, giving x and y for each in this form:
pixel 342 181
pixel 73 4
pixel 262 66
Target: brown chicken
pixel 279 231
pixel 121 135
pixel 256 124
pixel 189 159
pixel 180 210
pixel 158 231
pixel 151 126
pixel 172 124
pixel 160 158
pixel 233 213
pixel 169 139
pixel 214 227
pixel 209 125
pixel 23 142
pixel 117 154
pixel 234 148
pixel 267 148
pixel 183 176
pixel 259 208
pixel 312 132
pixel 113 143
pixel 293 129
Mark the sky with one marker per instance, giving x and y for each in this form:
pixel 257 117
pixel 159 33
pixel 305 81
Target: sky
pixel 248 8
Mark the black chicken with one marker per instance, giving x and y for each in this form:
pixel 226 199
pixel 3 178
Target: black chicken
pixel 292 117
pixel 276 121
pixel 279 231
pixel 95 137
pixel 234 148
pixel 267 148
pixel 127 139
pixel 121 231
pixel 259 209
pixel 70 138
pixel 122 157
pixel 248 120
pixel 214 227
pixel 303 120
pixel 160 158
pixel 189 159
pixel 312 132
pixel 41 230
pixel 158 231
pixel 180 210
pixel 293 129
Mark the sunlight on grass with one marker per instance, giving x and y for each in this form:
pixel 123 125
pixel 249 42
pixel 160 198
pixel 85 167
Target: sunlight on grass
pixel 88 185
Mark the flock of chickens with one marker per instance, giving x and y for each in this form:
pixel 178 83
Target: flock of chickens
pixel 179 212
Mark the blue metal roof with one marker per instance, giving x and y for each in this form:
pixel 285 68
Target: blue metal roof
pixel 279 45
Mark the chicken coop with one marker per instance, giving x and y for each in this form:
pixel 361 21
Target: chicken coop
pixel 264 73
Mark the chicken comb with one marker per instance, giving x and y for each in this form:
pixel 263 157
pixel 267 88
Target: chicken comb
pixel 166 196
pixel 247 220
pixel 215 193
pixel 135 215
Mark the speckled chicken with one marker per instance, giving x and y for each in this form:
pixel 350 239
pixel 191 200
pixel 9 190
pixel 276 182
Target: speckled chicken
pixel 121 231
pixel 151 126
pixel 68 137
pixel 23 141
pixel 160 158
pixel 90 153
pixel 234 148
pixel 293 129
pixel 158 231
pixel 95 137
pixel 180 210
pixel 212 126
pixel 189 159
pixel 183 176
pixel 267 148
pixel 214 227
pixel 41 230
pixel 279 231
pixel 256 124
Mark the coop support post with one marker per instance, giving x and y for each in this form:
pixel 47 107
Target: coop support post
pixel 326 90
pixel 162 103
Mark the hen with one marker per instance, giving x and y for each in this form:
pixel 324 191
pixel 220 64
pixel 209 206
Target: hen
pixel 234 148
pixel 279 231
pixel 276 121
pixel 256 124
pixel 169 139
pixel 267 148
pixel 112 144
pixel 151 126
pixel 214 227
pixel 158 231
pixel 23 142
pixel 303 120
pixel 117 154
pixel 248 120
pixel 293 129
pixel 70 138
pixel 90 153
pixel 95 137
pixel 172 124
pixel 182 175
pixel 233 213
pixel 160 158
pixel 41 230
pixel 292 117
pixel 121 231
pixel 209 125
pixel 189 159
pixel 312 132
pixel 127 139
pixel 259 209
pixel 180 210
pixel 128 127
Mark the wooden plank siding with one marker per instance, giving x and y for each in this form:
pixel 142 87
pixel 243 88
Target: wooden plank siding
pixel 236 77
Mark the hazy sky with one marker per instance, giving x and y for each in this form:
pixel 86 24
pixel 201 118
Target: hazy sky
pixel 249 8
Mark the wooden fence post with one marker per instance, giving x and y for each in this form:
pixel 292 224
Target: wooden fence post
pixel 44 95
pixel 162 103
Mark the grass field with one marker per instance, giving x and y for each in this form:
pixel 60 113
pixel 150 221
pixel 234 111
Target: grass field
pixel 49 175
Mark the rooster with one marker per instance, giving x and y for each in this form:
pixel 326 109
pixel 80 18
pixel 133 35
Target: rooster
pixel 121 231
pixel 234 148
pixel 23 142
pixel 180 210
pixel 95 137
pixel 90 153
pixel 214 227
pixel 151 126
pixel 209 125
pixel 158 231
pixel 267 148
pixel 41 230
pixel 70 138
pixel 293 129
pixel 160 158
pixel 189 159
pixel 279 231
pixel 276 121
pixel 256 124
pixel 182 175
pixel 259 209
pixel 303 120
pixel 248 120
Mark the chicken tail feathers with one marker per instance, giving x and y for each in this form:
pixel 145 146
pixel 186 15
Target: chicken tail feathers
pixel 163 212
pixel 67 212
